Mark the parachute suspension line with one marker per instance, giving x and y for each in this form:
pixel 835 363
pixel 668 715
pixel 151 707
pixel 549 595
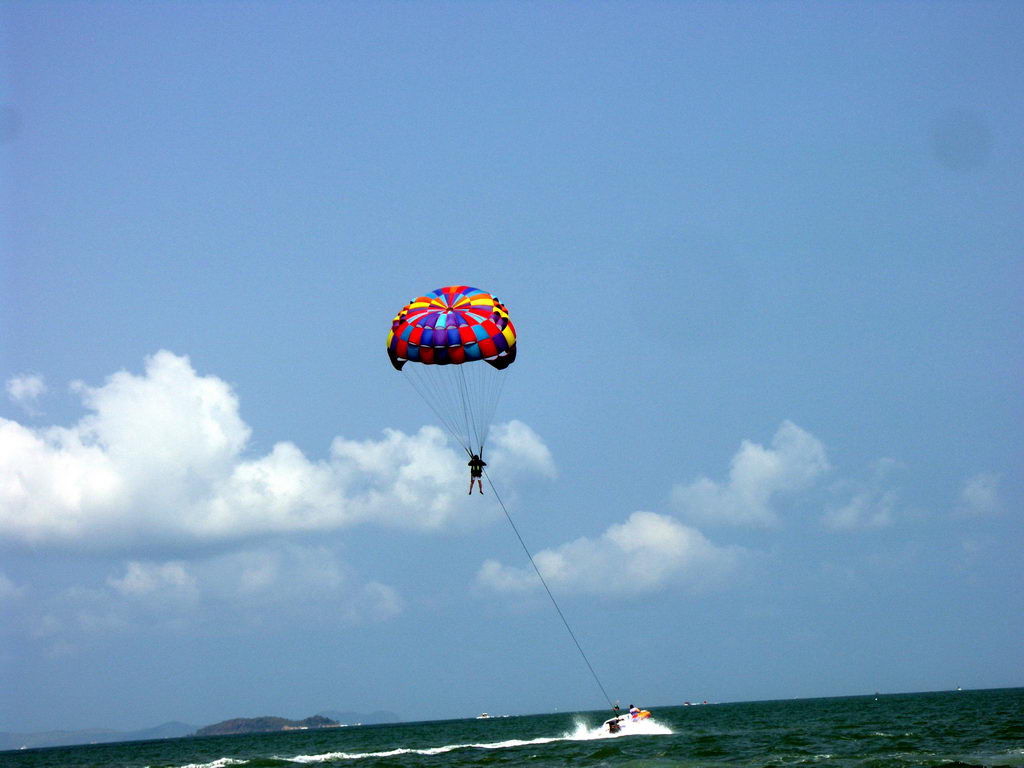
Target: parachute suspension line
pixel 467 412
pixel 480 388
pixel 433 392
pixel 548 590
pixel 492 387
pixel 431 389
pixel 463 397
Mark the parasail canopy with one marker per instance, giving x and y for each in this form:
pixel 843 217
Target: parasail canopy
pixel 441 341
pixel 450 326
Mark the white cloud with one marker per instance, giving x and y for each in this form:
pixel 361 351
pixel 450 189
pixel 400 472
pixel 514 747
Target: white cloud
pixel 869 508
pixel 52 485
pixel 870 504
pixel 26 390
pixel 514 447
pixel 148 578
pixel 374 602
pixel 757 474
pixel 312 580
pixel 161 457
pixel 264 589
pixel 979 496
pixel 643 554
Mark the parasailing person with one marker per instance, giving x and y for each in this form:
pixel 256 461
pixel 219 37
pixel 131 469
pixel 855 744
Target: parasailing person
pixel 454 345
pixel 476 472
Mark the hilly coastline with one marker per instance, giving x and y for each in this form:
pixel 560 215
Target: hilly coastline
pixel 265 725
pixel 175 730
pixel 55 738
pixel 377 717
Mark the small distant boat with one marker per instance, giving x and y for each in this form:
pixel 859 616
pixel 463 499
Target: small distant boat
pixel 483 716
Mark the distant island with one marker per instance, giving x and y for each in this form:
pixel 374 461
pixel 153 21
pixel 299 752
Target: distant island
pixel 265 725
pixel 38 739
pixel 377 717
pixel 175 730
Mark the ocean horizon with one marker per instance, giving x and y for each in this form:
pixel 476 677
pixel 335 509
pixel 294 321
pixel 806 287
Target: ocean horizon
pixel 940 728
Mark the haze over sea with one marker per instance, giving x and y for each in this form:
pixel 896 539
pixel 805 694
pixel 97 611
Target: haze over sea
pixel 962 728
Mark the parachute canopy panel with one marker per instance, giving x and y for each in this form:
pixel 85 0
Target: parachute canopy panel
pixel 450 326
pixel 433 340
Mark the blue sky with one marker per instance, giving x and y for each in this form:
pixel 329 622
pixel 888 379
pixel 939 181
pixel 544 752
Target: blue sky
pixel 764 433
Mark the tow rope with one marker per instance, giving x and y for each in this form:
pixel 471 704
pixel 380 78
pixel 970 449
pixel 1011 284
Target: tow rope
pixel 548 590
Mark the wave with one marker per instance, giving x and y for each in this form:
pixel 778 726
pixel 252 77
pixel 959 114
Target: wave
pixel 581 732
pixel 219 763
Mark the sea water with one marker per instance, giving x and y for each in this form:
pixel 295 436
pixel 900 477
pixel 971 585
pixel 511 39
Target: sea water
pixel 962 728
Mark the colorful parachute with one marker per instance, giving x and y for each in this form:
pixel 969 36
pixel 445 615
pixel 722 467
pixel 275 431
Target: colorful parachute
pixel 447 335
pixel 451 326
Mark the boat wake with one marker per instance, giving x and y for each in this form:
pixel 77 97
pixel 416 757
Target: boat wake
pixel 581 732
pixel 646 727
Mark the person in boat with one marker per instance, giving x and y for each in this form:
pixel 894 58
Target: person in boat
pixel 634 712
pixel 476 471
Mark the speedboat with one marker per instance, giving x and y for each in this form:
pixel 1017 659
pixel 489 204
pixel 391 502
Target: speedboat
pixel 621 723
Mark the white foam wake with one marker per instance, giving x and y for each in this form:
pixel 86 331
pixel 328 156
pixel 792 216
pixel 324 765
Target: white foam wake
pixel 646 727
pixel 581 732
pixel 220 763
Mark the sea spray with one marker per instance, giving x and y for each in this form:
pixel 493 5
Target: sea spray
pixel 646 727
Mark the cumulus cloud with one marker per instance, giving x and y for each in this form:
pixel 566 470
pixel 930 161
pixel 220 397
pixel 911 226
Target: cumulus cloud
pixel 261 589
pixel 161 457
pixel 295 578
pixel 517 448
pixel 147 578
pixel 756 476
pixel 643 554
pixel 870 508
pixel 979 496
pixel 868 504
pixel 310 584
pixel 26 390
